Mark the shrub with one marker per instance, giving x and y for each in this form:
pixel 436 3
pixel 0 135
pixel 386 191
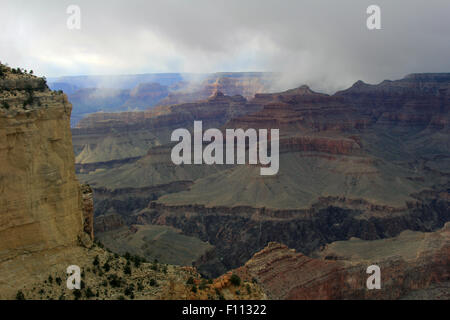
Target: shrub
pixel 137 261
pixel 20 295
pixel 89 293
pixel 77 294
pixel 5 105
pixel 106 267
pixel 202 285
pixel 235 280
pixel 96 261
pixel 127 256
pixel 194 289
pixel 190 280
pixel 129 291
pixel 115 281
pixel 153 283
pixel 127 270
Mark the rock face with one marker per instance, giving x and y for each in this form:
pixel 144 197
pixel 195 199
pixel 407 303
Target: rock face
pixel 368 162
pixel 105 137
pixel 88 210
pixel 231 84
pixel 41 203
pixel 408 262
pixel 239 232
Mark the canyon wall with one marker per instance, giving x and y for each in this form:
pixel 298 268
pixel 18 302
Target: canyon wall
pixel 41 203
pixel 408 262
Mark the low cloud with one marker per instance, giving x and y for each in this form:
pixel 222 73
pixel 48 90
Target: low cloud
pixel 321 43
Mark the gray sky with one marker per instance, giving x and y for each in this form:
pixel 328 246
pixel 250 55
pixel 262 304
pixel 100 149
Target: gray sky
pixel 323 43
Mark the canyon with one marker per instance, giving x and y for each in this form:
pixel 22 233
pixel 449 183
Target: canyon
pixel 369 162
pixel 408 261
pixel 363 179
pixel 90 94
pixel 47 216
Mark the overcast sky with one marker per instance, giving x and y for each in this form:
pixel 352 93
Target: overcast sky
pixel 323 43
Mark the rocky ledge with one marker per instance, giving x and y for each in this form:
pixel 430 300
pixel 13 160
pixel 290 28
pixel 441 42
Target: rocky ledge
pixel 411 261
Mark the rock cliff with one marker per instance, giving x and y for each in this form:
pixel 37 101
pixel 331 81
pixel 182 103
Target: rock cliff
pixel 41 203
pixel 46 216
pixel 408 262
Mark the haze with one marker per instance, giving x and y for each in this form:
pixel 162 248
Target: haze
pixel 320 43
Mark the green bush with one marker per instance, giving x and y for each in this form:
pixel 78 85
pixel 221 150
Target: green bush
pixel 190 280
pixel 137 261
pixel 20 295
pixel 106 267
pixel 89 293
pixel 235 280
pixel 127 270
pixel 129 291
pixel 115 281
pixel 77 294
pixel 203 285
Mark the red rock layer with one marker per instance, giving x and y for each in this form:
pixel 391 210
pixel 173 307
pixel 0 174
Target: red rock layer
pixel 286 274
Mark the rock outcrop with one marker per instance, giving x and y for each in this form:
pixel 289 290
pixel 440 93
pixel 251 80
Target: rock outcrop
pixel 41 202
pixel 410 261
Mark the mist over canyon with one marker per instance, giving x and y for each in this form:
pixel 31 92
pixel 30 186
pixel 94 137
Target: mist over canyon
pixel 363 179
pixel 368 162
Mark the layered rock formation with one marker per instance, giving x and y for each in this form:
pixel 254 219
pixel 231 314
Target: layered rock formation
pixel 43 210
pixel 367 162
pixel 46 217
pixel 408 262
pixel 90 94
pixel 104 137
pixel 243 84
